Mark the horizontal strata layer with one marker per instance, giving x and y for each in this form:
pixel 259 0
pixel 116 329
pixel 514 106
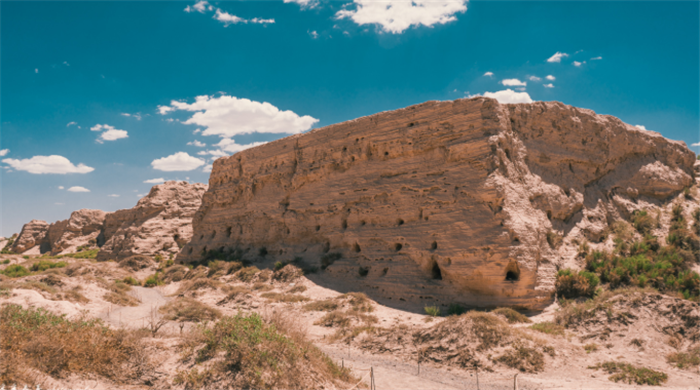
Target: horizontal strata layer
pixel 442 202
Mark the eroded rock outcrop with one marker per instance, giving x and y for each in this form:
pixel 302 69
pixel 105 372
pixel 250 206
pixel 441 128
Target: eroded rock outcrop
pixel 160 223
pixel 438 203
pixel 33 235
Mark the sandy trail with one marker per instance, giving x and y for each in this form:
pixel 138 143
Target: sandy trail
pixel 136 316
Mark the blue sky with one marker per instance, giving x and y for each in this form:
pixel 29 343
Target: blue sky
pixel 71 71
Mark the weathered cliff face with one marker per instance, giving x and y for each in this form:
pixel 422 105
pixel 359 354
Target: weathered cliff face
pixel 84 227
pixel 33 234
pixel 437 203
pixel 161 222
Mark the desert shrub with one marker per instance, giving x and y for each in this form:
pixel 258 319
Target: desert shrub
pixel 288 273
pixel 297 289
pixel 6 261
pixel 247 352
pixel 639 343
pixel 25 257
pixel 359 302
pixel 523 358
pixel 38 286
pixel 490 329
pixel 131 281
pixel 329 258
pixel 554 239
pixel 120 299
pixel 188 310
pixel 643 222
pixel 153 280
pixel 158 258
pixel 455 309
pixel 247 274
pixel 86 254
pixel 572 285
pixel 43 265
pixel 219 268
pixel 279 265
pixel 512 316
pixel 625 372
pixel 200 283
pixel 15 271
pixel 324 305
pixel 684 360
pixel 263 286
pixel 136 262
pixel 285 298
pixel 233 292
pixel 335 318
pixel 548 328
pixel 590 347
pixel 432 311
pixel 36 339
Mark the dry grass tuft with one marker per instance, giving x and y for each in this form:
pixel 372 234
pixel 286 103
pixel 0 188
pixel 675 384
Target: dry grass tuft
pixel 625 372
pixel 523 358
pixel 512 316
pixel 247 274
pixel 35 339
pixel 297 289
pixel 189 310
pixel 685 360
pixel 549 328
pixel 288 273
pixel 285 298
pixel 324 305
pixel 263 286
pixel 198 284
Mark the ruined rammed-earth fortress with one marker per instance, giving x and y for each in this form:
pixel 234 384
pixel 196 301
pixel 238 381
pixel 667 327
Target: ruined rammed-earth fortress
pixel 437 203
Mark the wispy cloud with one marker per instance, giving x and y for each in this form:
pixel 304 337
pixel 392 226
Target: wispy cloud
pixel 78 189
pixel 305 4
pixel 550 85
pixel 228 19
pixel 197 144
pixel 557 57
pixel 110 133
pixel 4 152
pixel 534 78
pixel 113 195
pixel 136 116
pixel 488 74
pixel 695 144
pixel 596 58
pixel 513 83
pixel 396 16
pixel 155 181
pixel 71 124
pixel 576 63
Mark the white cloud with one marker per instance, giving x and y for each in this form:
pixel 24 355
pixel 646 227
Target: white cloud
pixel 113 135
pixel 36 70
pixel 216 153
pixel 113 195
pixel 200 6
pixel 313 34
pixel 61 187
pixel 197 131
pixel 78 189
pixel 262 21
pixel 197 144
pixel 227 19
pixel 509 96
pixel 4 152
pixel 513 83
pixel 304 3
pixel 557 57
pixel 137 116
pixel 550 85
pixel 154 181
pixel 47 164
pixel 640 127
pixel 551 78
pixel 71 124
pixel 230 146
pixel 179 161
pixel 228 116
pixel 488 74
pixel 535 78
pixel 576 63
pixel 395 16
pixel 207 168
pixel 596 58
pixel 695 144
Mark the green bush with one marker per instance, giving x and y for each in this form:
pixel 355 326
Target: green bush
pixel 6 261
pixel 571 285
pixel 89 254
pixel 15 271
pixel 43 265
pixel 625 372
pixel 153 280
pixel 279 265
pixel 548 328
pixel 432 311
pixel 131 281
pixel 685 360
pixel 455 309
pixel 643 222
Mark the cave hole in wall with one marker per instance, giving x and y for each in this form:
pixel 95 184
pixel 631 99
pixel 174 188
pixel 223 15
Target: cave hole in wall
pixel 318 227
pixel 384 271
pixel 435 271
pixel 512 272
pixel 398 246
pixel 213 234
pixel 345 224
pixel 363 271
pixel 399 222
pixel 190 251
pixel 228 231
pixel 356 247
pixel 433 246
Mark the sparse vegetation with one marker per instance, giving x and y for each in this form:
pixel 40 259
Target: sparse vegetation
pixel 153 280
pixel 455 309
pixel 43 265
pixel 324 305
pixel 548 328
pixel 512 316
pixel 554 239
pixel 643 222
pixel 15 271
pixel 593 347
pixel 432 311
pixel 35 339
pixel 247 274
pixel 573 285
pixel 297 289
pixel 685 360
pixel 523 358
pixel 188 310
pixel 625 372
pixel 284 298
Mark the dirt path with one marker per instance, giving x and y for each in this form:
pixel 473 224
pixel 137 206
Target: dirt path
pixel 136 316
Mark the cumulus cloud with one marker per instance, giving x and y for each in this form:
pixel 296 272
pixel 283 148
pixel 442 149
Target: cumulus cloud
pixel 4 152
pixel 304 3
pixel 197 131
pixel 197 144
pixel 78 189
pixel 313 34
pixel 227 116
pixel 557 57
pixel 535 78
pixel 208 168
pixel 228 19
pixel 137 116
pixel 110 133
pixel 596 58
pixel 200 6
pixel 395 16
pixel 509 96
pixel 695 144
pixel 36 70
pixel 513 83
pixel 179 161
pixel 551 78
pixel 550 85
pixel 155 181
pixel 640 127
pixel 576 63
pixel 216 153
pixel 47 164
pixel 488 74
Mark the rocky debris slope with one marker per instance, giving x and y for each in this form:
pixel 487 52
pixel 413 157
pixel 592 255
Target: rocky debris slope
pixel 439 203
pixel 159 223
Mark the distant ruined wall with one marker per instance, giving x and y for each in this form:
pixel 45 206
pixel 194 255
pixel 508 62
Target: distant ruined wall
pixel 439 202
